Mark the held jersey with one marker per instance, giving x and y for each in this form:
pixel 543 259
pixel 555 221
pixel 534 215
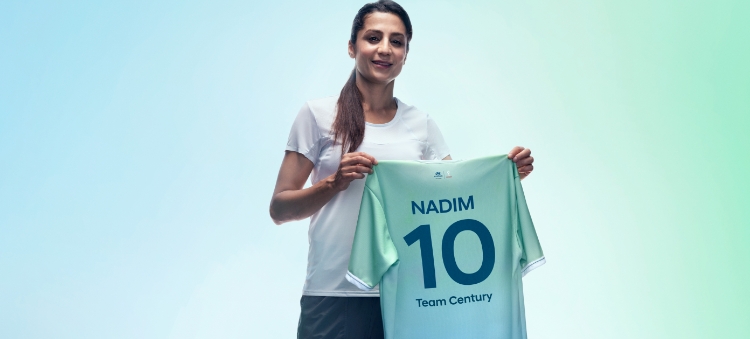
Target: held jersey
pixel 448 242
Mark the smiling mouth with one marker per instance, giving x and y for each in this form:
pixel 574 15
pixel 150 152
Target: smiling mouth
pixel 382 63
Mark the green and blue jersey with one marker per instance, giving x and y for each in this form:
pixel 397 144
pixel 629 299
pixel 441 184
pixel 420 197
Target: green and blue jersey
pixel 448 242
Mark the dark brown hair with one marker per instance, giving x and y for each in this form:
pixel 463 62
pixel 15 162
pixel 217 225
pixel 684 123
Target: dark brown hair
pixel 349 126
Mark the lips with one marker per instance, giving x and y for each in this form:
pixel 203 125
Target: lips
pixel 381 63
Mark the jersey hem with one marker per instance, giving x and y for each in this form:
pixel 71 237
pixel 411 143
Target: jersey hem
pixel 358 282
pixel 533 265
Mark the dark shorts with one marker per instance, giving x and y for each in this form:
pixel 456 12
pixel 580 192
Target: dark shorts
pixel 340 318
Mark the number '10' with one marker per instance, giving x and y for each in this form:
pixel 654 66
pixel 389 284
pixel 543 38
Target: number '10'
pixel 422 234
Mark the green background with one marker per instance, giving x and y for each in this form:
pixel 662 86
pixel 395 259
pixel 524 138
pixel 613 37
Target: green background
pixel 139 144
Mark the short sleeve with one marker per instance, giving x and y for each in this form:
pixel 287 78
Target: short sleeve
pixel 438 148
pixel 531 251
pixel 305 136
pixel 373 251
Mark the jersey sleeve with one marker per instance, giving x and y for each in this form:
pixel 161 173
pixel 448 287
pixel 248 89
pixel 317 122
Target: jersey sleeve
pixel 373 251
pixel 305 137
pixel 531 251
pixel 438 148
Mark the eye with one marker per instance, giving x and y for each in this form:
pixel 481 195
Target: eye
pixel 372 39
pixel 396 42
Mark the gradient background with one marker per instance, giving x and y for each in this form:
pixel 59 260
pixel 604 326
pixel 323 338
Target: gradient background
pixel 140 141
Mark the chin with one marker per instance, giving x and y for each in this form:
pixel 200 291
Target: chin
pixel 378 78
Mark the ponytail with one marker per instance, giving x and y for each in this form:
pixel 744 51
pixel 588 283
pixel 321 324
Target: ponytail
pixel 349 126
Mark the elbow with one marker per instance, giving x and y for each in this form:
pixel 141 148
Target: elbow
pixel 277 219
pixel 282 211
pixel 278 213
pixel 280 217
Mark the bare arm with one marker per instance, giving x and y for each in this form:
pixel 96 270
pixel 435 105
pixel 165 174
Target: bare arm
pixel 291 202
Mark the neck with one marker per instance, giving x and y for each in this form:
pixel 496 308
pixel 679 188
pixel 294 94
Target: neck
pixel 377 100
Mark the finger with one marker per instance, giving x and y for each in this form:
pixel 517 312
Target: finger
pixel 352 160
pixel 365 155
pixel 523 154
pixel 526 169
pixel 353 176
pixel 524 161
pixel 349 176
pixel 515 151
pixel 356 169
pixel 364 169
pixel 360 156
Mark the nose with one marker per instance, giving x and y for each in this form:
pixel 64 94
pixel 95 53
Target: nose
pixel 384 48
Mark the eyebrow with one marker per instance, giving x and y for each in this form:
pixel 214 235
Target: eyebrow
pixel 381 32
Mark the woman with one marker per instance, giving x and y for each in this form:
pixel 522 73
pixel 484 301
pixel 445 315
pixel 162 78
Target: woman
pixel 337 141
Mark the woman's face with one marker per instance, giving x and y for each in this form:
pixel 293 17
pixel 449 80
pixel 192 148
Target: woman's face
pixel 380 50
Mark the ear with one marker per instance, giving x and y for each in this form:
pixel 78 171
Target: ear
pixel 351 50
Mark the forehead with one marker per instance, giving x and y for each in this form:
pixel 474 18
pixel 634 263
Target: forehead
pixel 387 23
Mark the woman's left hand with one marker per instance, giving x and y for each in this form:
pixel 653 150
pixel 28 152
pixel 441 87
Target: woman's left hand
pixel 523 159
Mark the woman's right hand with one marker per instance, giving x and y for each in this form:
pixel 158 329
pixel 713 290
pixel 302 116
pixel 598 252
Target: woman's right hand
pixel 290 201
pixel 352 166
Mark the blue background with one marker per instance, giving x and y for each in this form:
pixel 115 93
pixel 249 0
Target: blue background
pixel 140 141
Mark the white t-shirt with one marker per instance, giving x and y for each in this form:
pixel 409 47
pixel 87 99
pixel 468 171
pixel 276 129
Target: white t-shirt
pixel 411 135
